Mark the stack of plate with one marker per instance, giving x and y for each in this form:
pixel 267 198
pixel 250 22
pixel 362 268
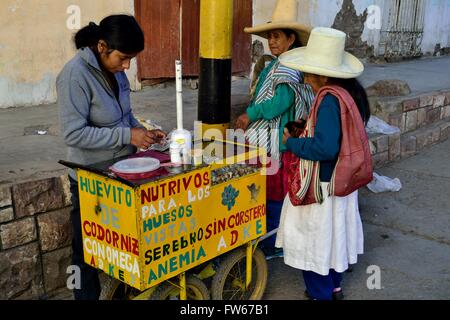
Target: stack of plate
pixel 136 169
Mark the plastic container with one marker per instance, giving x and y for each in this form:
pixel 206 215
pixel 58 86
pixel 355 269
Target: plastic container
pixel 184 139
pixel 175 154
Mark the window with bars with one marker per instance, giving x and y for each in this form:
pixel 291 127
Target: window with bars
pixel 402 32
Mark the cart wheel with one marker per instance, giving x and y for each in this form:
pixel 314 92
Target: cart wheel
pixel 113 289
pixel 196 290
pixel 229 281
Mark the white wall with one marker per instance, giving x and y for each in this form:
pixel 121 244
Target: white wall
pixel 323 12
pixel 35 43
pixel 437 25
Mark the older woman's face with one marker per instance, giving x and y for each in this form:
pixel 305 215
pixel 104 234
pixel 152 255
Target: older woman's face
pixel 279 42
pixel 315 81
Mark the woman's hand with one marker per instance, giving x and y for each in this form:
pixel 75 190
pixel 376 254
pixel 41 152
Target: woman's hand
pixel 242 122
pixel 158 136
pixel 143 139
pixel 286 135
pixel 296 128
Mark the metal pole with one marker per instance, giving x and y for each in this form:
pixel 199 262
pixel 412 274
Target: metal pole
pixel 216 32
pixel 248 278
pixel 183 294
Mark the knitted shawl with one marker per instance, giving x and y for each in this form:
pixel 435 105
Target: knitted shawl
pixel 265 133
pixel 354 166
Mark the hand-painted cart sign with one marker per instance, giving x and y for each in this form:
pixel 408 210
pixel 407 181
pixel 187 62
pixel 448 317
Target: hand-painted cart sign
pixel 153 232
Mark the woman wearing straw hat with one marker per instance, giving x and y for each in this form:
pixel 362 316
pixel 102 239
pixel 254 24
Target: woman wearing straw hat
pixel 320 227
pixel 280 97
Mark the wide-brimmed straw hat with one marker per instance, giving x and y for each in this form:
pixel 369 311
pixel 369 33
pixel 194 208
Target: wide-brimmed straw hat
pixel 324 55
pixel 284 17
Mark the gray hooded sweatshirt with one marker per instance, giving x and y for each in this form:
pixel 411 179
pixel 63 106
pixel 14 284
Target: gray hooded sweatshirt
pixel 95 125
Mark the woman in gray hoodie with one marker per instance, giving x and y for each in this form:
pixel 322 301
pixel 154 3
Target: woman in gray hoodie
pixel 96 119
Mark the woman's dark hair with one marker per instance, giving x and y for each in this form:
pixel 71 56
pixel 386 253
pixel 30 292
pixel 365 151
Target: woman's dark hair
pixel 297 43
pixel 120 32
pixel 358 94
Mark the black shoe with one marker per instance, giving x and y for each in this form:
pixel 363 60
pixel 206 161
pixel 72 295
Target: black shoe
pixel 277 253
pixel 271 252
pixel 336 295
pixel 307 296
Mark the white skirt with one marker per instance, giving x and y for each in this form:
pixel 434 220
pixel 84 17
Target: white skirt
pixel 321 237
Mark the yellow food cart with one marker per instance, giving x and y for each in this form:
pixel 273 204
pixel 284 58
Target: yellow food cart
pixel 148 232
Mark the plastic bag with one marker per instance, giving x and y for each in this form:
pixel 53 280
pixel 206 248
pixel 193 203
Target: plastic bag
pixel 384 184
pixel 376 125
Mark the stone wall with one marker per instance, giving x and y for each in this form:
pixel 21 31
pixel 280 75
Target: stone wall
pixel 348 21
pixel 35 238
pixel 424 120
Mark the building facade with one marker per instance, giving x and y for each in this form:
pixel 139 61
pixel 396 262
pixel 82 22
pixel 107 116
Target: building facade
pixel 376 28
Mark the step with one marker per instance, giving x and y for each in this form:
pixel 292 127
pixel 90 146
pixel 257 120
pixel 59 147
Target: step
pixel 412 112
pixel 389 148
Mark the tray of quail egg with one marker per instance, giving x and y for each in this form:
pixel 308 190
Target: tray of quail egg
pixel 225 174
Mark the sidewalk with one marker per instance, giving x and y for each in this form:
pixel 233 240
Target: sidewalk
pixel 406 236
pixel 25 155
pixel 423 75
